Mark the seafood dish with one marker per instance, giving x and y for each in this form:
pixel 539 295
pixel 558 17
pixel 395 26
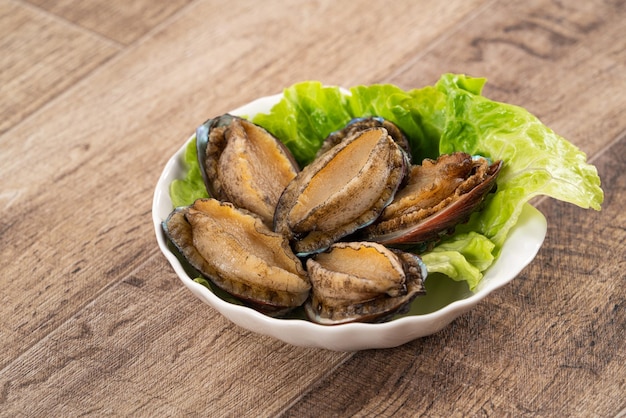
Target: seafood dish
pixel 348 230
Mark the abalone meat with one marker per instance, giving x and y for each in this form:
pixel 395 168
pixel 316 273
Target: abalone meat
pixel 240 254
pixel 362 281
pixel 342 190
pixel 439 195
pixel 244 164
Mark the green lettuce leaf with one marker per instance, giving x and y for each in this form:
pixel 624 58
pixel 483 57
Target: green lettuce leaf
pixel 453 265
pixel 537 161
pixel 305 116
pixel 418 113
pixel 461 257
pixel 185 191
pixel 450 116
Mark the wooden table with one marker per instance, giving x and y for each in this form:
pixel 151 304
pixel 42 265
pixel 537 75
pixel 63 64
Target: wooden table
pixel 96 96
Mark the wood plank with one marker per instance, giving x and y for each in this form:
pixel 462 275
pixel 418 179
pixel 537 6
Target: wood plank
pixel 157 351
pixel 563 352
pixel 82 222
pixel 563 61
pixel 41 57
pixel 123 21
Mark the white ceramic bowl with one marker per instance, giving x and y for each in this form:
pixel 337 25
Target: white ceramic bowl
pixel 445 299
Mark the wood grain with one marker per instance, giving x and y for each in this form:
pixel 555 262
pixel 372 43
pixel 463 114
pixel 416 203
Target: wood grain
pixel 171 337
pixel 121 21
pixel 41 57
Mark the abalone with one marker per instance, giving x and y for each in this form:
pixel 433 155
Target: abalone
pixel 244 164
pixel 342 190
pixel 236 251
pixel 439 195
pixel 362 281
